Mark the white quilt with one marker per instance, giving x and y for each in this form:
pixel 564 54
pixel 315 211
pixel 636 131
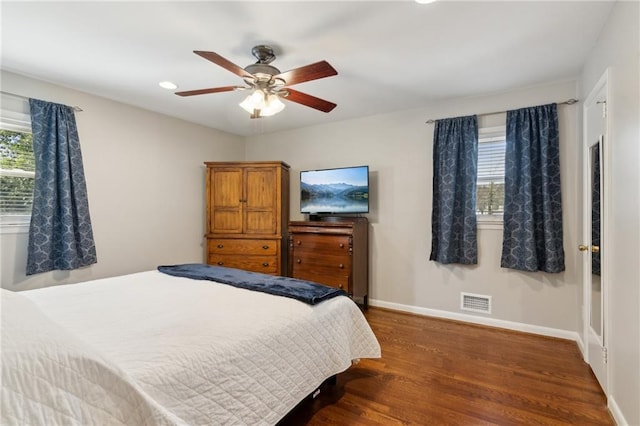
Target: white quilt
pixel 49 377
pixel 202 353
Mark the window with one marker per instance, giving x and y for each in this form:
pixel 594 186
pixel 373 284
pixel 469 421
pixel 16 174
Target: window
pixel 490 184
pixel 17 171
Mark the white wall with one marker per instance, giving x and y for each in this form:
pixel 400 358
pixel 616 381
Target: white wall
pixel 145 179
pixel 398 149
pixel 618 47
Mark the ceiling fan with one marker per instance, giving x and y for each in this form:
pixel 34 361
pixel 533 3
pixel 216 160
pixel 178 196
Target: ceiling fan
pixel 268 84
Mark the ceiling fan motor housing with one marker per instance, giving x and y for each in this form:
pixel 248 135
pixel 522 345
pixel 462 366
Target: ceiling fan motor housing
pixel 262 70
pixel 264 80
pixel 266 69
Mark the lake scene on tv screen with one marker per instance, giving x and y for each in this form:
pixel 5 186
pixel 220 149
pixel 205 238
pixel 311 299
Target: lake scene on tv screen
pixel 335 190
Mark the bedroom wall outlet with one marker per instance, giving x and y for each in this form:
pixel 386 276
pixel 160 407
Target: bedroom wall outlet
pixel 475 303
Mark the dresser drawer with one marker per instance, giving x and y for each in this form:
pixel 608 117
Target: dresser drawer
pixel 242 246
pixel 263 264
pixel 337 264
pixel 321 244
pixel 332 280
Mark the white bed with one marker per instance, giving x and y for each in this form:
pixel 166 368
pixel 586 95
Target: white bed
pixel 150 348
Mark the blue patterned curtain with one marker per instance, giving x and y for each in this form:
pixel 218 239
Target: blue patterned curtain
pixel 60 235
pixel 455 164
pixel 532 239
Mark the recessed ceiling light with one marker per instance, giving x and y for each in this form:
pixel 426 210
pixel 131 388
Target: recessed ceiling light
pixel 424 1
pixel 168 85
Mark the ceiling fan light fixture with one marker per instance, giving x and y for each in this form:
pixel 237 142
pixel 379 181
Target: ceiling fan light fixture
pixel 274 106
pixel 252 102
pixel 265 104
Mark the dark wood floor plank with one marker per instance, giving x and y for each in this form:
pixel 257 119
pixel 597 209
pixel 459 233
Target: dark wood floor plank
pixel 441 372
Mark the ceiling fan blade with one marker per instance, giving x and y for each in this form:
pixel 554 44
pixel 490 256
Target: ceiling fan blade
pixel 314 71
pixel 310 101
pixel 224 63
pixel 205 91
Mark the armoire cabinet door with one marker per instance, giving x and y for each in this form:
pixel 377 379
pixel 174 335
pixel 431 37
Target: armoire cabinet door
pixel 261 200
pixel 226 185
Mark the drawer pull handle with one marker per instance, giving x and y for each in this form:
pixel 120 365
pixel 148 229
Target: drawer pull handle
pixel 340 286
pixel 265 247
pixel 299 242
pixel 265 264
pixel 221 263
pixel 298 261
pixel 341 266
pixel 341 245
pixel 220 246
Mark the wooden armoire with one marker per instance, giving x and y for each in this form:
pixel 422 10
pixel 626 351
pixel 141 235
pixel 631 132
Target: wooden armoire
pixel 247 215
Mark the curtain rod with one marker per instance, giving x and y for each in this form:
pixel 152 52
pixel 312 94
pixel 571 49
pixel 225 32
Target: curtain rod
pixel 75 108
pixel 567 102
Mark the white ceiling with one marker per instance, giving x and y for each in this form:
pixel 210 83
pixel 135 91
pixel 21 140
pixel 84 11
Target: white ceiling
pixel 389 55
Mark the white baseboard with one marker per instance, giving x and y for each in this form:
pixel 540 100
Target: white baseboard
pixel 615 411
pixel 581 346
pixel 510 325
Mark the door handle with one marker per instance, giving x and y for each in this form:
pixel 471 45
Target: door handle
pixel 594 249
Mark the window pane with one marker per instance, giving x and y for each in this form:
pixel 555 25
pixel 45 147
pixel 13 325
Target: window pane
pixel 16 195
pixel 490 184
pixel 17 171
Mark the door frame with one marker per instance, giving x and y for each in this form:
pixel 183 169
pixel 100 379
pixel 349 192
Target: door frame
pixel 605 154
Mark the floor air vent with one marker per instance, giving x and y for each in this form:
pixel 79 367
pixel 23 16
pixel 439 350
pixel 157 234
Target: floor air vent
pixel 475 303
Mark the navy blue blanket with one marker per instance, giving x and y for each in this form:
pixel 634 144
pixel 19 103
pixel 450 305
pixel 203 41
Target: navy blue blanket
pixel 304 291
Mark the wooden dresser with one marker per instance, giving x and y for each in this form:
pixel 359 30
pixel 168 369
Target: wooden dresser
pixel 332 251
pixel 247 215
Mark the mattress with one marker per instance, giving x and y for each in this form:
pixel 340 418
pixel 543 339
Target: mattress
pixel 178 351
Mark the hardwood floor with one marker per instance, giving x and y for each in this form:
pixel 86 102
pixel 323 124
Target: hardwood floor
pixel 441 372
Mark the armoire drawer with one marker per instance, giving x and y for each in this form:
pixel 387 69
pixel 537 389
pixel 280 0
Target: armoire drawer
pixel 263 264
pixel 242 246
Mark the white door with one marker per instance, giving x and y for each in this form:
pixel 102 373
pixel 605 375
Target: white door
pixel 594 247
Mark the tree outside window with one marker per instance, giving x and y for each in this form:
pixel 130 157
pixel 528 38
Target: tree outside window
pixel 490 198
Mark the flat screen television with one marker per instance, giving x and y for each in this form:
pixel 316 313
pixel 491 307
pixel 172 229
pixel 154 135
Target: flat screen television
pixel 335 191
